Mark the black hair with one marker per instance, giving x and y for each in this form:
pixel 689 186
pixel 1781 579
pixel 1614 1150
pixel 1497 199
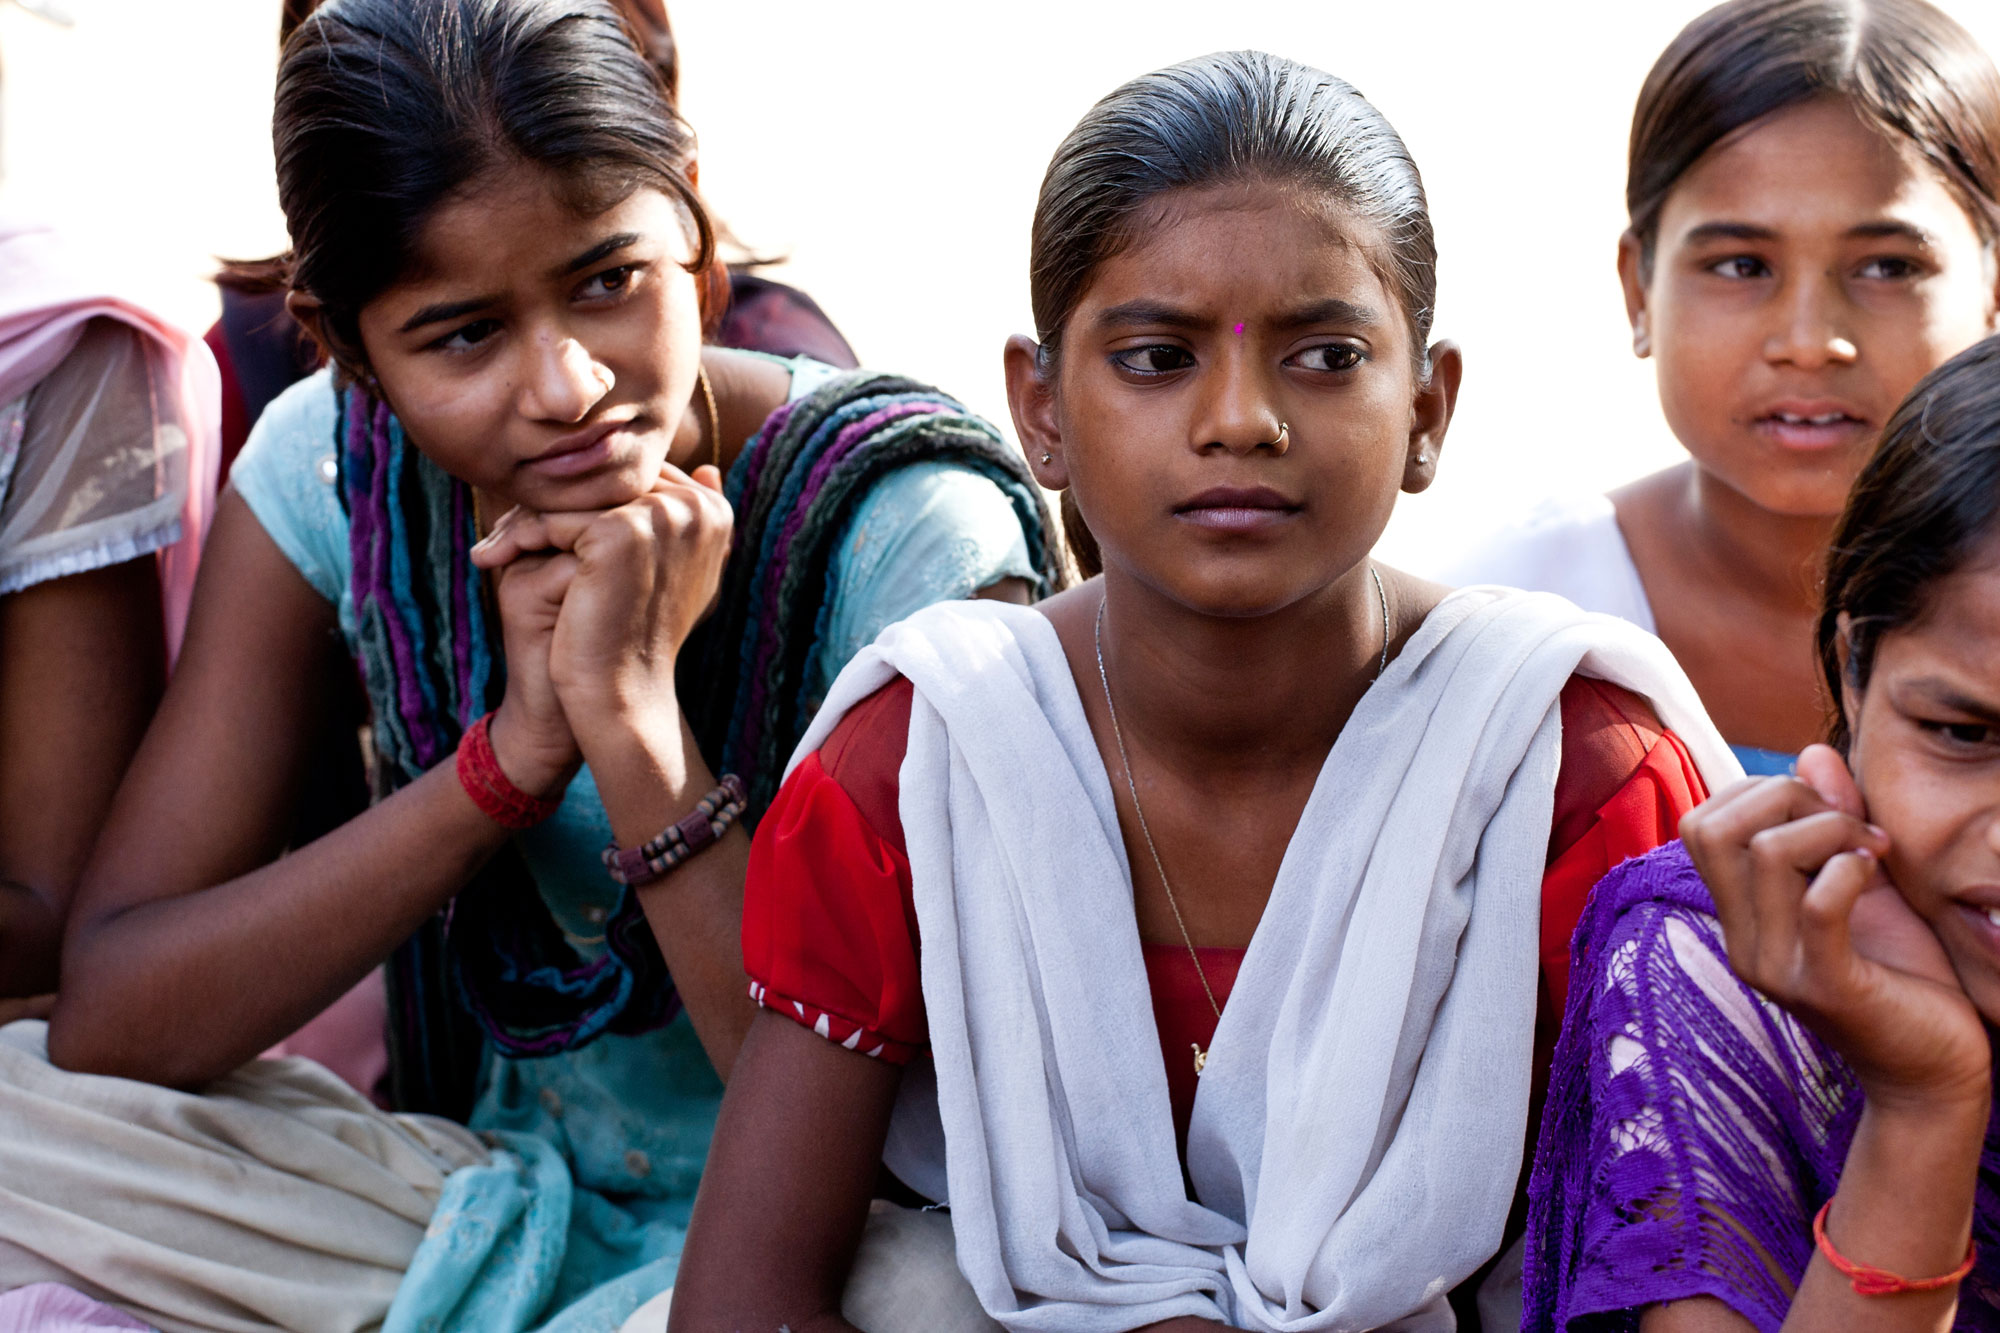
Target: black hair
pixel 386 108
pixel 1927 504
pixel 1904 66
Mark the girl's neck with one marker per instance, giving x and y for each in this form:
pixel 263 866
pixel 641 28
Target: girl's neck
pixel 1774 557
pixel 1211 694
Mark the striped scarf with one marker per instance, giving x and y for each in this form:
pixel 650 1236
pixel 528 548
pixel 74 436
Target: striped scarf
pixel 494 967
pixel 795 489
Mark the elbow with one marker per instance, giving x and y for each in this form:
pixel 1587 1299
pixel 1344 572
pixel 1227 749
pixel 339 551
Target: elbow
pixel 81 1042
pixel 96 1028
pixel 76 1045
pixel 85 1042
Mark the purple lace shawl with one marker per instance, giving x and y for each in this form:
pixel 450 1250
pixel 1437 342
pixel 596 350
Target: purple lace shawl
pixel 1692 1127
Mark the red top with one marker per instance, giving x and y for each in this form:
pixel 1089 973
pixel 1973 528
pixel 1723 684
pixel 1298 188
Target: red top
pixel 830 927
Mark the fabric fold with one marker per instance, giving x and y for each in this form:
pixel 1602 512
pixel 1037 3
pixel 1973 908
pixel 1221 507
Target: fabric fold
pixel 1358 1134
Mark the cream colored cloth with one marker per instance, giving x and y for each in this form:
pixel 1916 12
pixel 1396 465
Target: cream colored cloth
pixel 905 1279
pixel 277 1196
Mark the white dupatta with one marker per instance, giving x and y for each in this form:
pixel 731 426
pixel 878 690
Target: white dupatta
pixel 1358 1132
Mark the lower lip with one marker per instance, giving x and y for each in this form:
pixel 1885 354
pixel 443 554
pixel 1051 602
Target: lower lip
pixel 1982 927
pixel 1237 520
pixel 577 461
pixel 1806 437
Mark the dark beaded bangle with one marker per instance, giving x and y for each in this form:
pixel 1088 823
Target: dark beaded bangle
pixel 711 816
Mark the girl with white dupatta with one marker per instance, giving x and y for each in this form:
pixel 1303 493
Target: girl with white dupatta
pixel 1231 867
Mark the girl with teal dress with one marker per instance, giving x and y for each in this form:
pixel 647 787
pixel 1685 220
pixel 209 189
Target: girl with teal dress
pixel 595 578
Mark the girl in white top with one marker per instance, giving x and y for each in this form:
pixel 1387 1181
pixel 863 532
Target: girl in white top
pixel 1812 191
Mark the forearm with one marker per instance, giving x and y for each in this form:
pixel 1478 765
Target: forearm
pixel 30 941
pixel 651 774
pixel 784 1197
pixel 1904 1205
pixel 181 989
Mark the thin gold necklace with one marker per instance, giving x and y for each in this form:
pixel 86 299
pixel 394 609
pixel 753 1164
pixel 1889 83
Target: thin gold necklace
pixel 1146 832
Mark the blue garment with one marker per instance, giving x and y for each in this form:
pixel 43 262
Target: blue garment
pixel 580 1216
pixel 1764 763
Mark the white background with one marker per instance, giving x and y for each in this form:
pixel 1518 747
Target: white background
pixel 893 148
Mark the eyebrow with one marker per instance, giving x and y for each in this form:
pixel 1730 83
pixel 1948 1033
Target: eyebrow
pixel 440 311
pixel 1891 229
pixel 1942 693
pixel 1333 310
pixel 1886 229
pixel 1728 231
pixel 604 249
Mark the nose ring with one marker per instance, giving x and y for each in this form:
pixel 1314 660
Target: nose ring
pixel 1284 438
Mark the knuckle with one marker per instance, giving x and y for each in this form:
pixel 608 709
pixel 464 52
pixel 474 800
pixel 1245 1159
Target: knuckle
pixel 1767 846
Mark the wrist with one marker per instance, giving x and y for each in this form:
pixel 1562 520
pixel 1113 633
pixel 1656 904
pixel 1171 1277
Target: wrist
pixel 535 767
pixel 1947 1106
pixel 648 772
pixel 633 732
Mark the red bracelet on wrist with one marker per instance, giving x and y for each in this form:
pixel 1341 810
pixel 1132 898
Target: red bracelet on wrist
pixel 1869 1281
pixel 490 788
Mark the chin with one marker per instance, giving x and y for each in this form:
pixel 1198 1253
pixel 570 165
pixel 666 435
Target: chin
pixel 1241 598
pixel 603 490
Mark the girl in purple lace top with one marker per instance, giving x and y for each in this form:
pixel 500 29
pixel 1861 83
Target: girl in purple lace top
pixel 1795 1010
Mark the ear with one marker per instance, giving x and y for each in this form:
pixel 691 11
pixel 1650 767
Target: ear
pixel 1430 416
pixel 1632 277
pixel 311 316
pixel 694 173
pixel 307 311
pixel 1031 398
pixel 1850 701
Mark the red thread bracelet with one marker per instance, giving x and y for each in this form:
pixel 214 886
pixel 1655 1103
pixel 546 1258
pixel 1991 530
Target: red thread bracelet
pixel 1870 1281
pixel 490 788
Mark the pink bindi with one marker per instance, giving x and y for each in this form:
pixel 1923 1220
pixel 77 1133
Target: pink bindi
pixel 1239 328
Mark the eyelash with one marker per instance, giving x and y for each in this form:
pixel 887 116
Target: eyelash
pixel 1349 356
pixel 625 273
pixel 447 343
pixel 1911 268
pixel 1953 733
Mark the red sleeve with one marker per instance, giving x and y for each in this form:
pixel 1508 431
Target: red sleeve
pixel 1624 784
pixel 829 924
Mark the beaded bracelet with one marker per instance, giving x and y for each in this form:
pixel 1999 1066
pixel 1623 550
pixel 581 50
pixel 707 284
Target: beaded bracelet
pixel 713 814
pixel 490 788
pixel 1870 1281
